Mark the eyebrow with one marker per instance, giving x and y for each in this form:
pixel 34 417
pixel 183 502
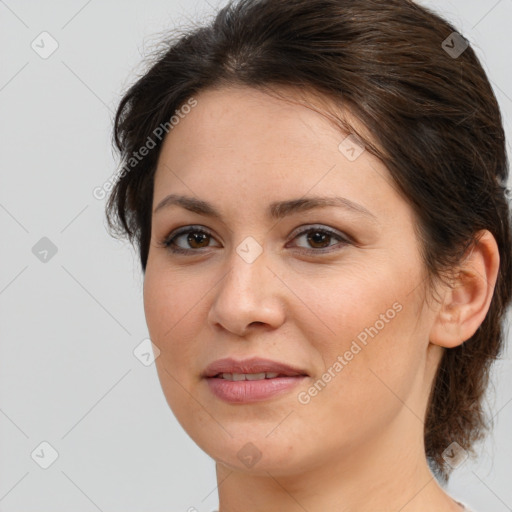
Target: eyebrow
pixel 276 210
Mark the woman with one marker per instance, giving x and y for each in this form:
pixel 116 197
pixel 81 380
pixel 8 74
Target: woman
pixel 317 192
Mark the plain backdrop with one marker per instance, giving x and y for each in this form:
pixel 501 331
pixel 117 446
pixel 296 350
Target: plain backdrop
pixel 71 307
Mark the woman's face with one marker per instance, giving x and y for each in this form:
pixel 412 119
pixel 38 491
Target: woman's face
pixel 344 306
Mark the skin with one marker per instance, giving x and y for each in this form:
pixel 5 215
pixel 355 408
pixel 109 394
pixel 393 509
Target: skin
pixel 358 444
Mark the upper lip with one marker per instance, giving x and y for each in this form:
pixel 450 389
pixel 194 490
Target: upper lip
pixel 252 365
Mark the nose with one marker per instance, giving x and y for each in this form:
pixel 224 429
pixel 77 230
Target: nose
pixel 249 296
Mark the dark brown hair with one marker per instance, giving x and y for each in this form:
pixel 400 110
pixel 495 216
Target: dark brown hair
pixel 433 119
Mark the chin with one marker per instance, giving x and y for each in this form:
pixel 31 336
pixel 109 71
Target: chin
pixel 257 454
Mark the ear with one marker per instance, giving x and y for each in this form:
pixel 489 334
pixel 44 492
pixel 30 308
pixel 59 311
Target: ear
pixel 467 301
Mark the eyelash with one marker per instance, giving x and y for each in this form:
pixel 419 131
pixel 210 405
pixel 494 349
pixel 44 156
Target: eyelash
pixel 168 242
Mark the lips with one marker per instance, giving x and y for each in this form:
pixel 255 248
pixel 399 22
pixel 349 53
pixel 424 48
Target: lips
pixel 225 368
pixel 251 380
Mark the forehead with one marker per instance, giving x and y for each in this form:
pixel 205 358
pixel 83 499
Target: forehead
pixel 244 117
pixel 239 142
pixel 245 126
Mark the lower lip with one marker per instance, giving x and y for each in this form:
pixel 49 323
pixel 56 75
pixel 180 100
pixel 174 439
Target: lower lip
pixel 246 391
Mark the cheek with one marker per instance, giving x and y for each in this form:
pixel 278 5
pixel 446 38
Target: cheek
pixel 169 297
pixel 360 393
pixel 172 304
pixel 370 342
pixel 174 314
pixel 347 303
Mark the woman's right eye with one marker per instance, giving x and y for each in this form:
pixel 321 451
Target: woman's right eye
pixel 195 237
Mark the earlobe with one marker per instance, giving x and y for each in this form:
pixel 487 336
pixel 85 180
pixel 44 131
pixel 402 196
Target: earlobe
pixel 467 301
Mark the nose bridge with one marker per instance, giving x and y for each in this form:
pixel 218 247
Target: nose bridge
pixel 249 292
pixel 248 273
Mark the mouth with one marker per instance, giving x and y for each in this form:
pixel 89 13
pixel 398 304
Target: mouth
pixel 251 380
pixel 250 369
pixel 249 376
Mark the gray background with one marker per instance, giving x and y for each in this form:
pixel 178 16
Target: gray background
pixel 68 375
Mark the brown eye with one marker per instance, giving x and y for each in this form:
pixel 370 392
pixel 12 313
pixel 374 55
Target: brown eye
pixel 320 240
pixel 199 238
pixel 188 240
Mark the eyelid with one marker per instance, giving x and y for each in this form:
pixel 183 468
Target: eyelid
pixel 304 228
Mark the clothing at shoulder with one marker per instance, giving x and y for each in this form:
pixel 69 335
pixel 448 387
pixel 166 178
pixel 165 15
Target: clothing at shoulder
pixel 466 508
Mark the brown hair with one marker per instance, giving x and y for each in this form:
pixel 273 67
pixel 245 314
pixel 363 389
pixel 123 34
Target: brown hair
pixel 434 122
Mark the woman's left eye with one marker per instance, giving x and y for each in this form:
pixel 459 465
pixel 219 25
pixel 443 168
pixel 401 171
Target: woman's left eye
pixel 319 239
